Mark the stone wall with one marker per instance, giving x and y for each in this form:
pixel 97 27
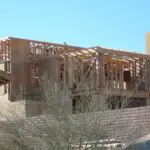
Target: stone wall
pixel 125 124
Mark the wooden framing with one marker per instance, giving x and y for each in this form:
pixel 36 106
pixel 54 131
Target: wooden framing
pixel 26 61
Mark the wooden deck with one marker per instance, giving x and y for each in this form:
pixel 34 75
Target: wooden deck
pixel 127 93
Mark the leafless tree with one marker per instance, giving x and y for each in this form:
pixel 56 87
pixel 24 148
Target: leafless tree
pixel 58 129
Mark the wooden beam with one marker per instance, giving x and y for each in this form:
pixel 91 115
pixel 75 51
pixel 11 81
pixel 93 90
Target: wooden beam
pixel 121 53
pixel 46 43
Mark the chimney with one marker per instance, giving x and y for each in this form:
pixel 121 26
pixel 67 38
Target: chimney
pixel 148 43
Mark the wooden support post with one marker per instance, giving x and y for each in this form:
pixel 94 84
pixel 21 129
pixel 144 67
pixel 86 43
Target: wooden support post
pixel 70 73
pixel 70 82
pixel 140 68
pixel 134 72
pixel 101 70
pixel 82 78
pixel 97 71
pixel 93 72
pixel 64 73
pixel 131 70
pixel 116 74
pixel 148 75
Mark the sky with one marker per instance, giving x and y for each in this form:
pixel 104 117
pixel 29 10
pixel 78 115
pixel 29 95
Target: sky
pixel 110 23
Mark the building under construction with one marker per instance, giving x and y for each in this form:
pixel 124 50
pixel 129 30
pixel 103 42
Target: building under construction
pixel 23 63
